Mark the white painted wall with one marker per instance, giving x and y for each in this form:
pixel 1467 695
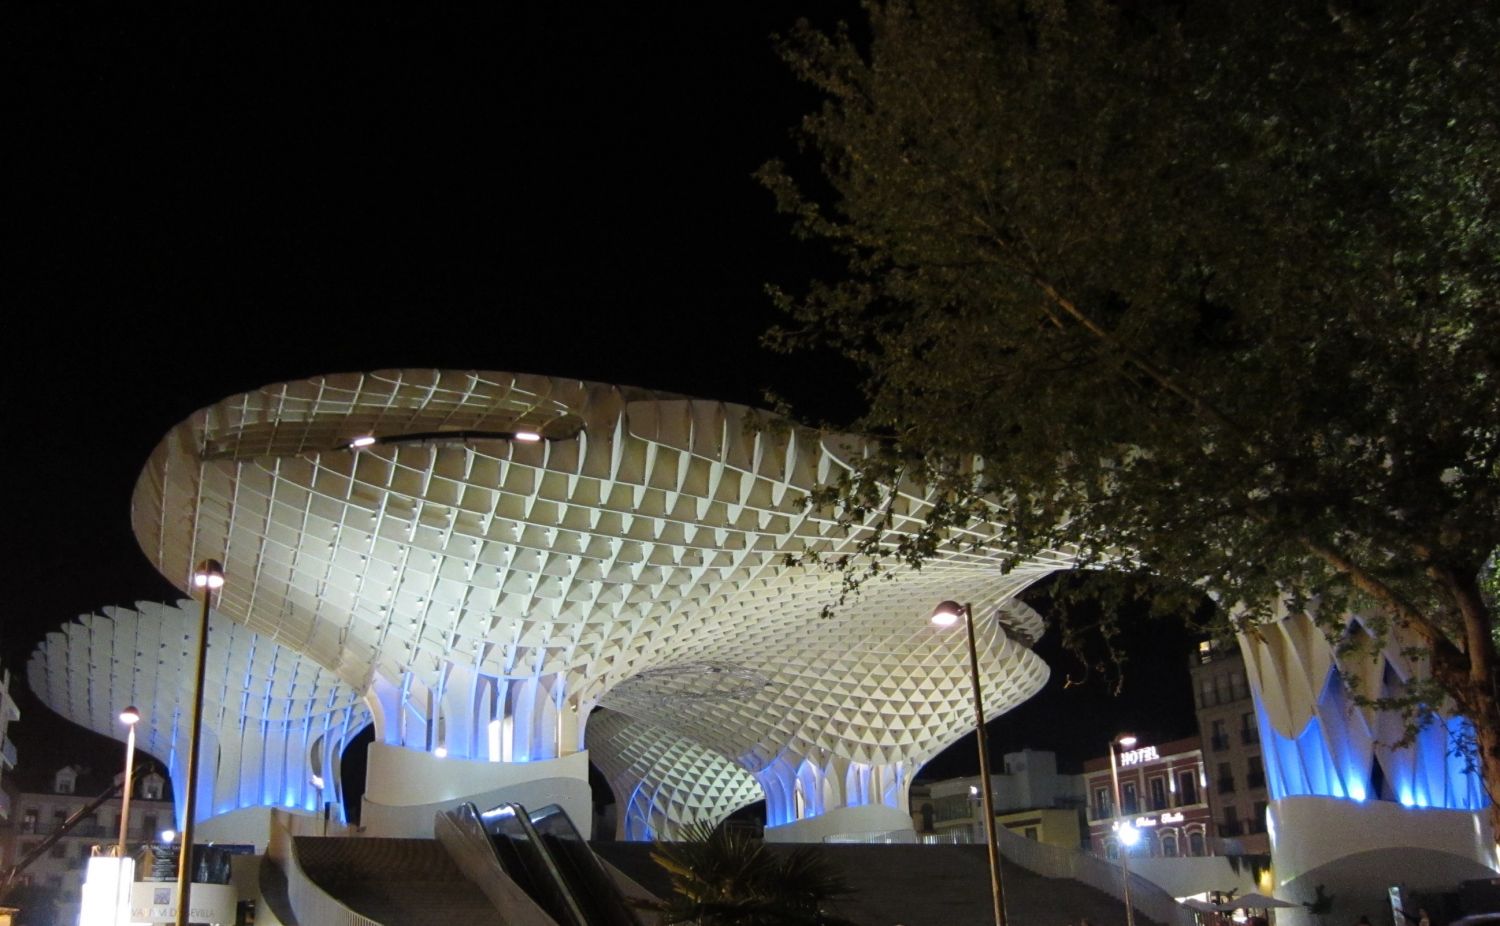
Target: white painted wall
pixel 405 788
pixel 870 820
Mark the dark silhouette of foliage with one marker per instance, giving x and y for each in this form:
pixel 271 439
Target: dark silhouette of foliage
pixel 1205 293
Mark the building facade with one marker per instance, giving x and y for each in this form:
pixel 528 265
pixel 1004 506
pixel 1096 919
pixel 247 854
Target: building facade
pixel 1163 793
pixel 1230 740
pixel 37 814
pixel 9 714
pixel 1031 800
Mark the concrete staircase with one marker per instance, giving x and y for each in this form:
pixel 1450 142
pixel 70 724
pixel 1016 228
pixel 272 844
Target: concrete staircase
pixel 921 886
pixel 397 882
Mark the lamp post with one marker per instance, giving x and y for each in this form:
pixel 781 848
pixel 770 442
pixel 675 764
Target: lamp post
pixel 129 717
pixel 1125 833
pixel 946 614
pixel 207 578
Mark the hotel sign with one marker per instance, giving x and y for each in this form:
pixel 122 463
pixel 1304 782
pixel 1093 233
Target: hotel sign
pixel 1137 756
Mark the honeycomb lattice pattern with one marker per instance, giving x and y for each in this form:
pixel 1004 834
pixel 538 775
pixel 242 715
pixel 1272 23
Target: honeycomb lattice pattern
pixel 272 720
pixel 664 781
pixel 476 583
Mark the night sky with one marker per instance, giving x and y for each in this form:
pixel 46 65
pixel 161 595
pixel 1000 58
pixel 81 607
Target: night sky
pixel 209 200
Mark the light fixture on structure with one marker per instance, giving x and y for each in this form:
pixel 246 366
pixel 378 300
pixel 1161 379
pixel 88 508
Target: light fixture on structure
pixel 946 614
pixel 208 577
pixel 1126 833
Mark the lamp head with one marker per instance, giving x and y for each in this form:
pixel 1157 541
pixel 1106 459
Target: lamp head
pixel 528 437
pixel 130 716
pixel 947 613
pixel 209 575
pixel 1126 740
pixel 364 440
pixel 1129 835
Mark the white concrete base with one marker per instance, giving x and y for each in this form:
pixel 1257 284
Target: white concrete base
pixel 404 788
pixel 251 826
pixel 848 824
pixel 1357 850
pixel 1187 876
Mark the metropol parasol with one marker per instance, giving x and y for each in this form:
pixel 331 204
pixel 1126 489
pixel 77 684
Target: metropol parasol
pixel 511 576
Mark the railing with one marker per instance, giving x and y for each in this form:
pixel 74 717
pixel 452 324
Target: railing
pixel 892 837
pixel 1058 862
pixel 310 903
pixel 462 835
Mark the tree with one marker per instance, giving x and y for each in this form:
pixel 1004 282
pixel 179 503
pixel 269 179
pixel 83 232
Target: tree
pixel 1205 292
pixel 724 877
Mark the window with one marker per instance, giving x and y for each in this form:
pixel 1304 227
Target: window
pixel 1206 692
pixel 1158 788
pixel 1258 821
pixel 65 781
pixel 1231 824
pixel 148 827
pixel 1112 849
pixel 1103 807
pixel 1219 738
pixel 1221 688
pixel 1249 735
pixel 1187 788
pixel 1237 685
pixel 1031 833
pixel 1128 801
pixel 151 787
pixel 28 822
pixel 1226 778
pixel 1169 845
pixel 1195 843
pixel 1255 773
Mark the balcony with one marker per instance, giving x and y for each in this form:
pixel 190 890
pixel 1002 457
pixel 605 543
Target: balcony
pixel 1231 828
pixel 1249 737
pixel 1256 779
pixel 1226 785
pixel 1219 742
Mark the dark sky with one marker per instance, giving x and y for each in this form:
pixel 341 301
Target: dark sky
pixel 209 200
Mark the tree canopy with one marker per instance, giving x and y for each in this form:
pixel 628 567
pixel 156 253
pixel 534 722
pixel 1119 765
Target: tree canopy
pixel 1203 291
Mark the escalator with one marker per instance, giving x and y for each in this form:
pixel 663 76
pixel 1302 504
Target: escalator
pixel 543 853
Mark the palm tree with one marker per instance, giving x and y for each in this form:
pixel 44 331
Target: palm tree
pixel 726 878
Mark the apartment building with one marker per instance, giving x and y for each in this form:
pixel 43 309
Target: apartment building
pixel 1237 795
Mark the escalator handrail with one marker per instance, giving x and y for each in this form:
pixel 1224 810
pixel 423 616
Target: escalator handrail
pixel 566 909
pixel 607 901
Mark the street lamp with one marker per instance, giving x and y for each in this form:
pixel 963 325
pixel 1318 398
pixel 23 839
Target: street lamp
pixel 1125 832
pixel 207 578
pixel 129 717
pixel 946 614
